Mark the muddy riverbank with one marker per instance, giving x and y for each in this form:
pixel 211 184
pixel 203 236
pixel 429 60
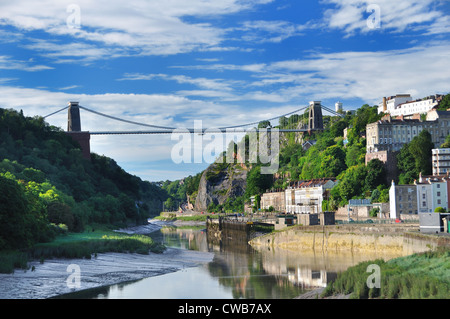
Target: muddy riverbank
pixel 59 276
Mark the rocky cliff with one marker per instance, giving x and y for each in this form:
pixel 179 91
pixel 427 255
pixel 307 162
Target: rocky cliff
pixel 219 182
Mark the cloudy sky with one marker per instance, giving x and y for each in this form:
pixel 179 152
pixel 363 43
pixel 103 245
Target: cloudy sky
pixel 222 62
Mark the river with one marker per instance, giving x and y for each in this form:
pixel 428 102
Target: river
pixel 236 271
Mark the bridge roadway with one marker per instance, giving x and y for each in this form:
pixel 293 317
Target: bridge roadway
pixel 194 131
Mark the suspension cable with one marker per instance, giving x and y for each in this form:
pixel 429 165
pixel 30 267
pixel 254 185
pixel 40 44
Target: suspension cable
pixel 56 112
pixel 126 121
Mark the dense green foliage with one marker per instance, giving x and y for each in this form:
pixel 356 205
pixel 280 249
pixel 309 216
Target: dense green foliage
pixel 445 103
pixel 415 158
pixel 331 154
pixel 178 191
pixel 417 276
pixel 47 186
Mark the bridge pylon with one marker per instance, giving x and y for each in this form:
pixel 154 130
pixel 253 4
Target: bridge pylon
pixel 315 121
pixel 74 130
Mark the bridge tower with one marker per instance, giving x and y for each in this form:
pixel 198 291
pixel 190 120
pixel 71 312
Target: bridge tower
pixel 315 121
pixel 74 130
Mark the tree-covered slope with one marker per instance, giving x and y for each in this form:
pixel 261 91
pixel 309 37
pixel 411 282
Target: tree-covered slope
pixel 46 181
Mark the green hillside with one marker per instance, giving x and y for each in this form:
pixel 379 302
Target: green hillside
pixel 330 156
pixel 46 186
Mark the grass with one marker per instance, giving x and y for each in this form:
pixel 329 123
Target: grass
pixel 80 245
pixel 199 217
pixel 418 276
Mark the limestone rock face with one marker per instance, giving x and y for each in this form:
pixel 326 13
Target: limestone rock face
pixel 219 182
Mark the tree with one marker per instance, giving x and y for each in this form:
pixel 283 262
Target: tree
pixel 264 124
pixel 445 103
pixel 406 166
pixel 375 174
pixel 352 182
pixel 421 146
pixel 60 213
pixel 257 183
pixel 355 154
pixel 20 225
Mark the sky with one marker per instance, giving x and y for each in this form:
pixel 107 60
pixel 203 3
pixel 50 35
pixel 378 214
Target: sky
pixel 219 63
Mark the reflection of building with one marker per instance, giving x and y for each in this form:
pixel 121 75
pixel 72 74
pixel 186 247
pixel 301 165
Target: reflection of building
pixel 307 278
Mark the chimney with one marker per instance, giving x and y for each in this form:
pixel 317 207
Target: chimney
pixel 420 177
pixel 384 105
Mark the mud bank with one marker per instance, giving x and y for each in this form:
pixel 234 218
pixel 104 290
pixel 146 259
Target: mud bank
pixel 57 276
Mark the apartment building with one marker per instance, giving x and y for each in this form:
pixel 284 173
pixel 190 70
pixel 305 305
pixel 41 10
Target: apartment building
pixel 432 192
pixel 402 200
pixel 424 196
pixel 306 197
pixel 440 161
pixel 276 199
pixel 390 134
pixel 403 105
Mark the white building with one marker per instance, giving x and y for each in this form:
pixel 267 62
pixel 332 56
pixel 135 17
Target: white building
pixel 441 161
pixel 431 193
pixel 402 104
pixel 338 106
pixel 306 197
pixel 389 104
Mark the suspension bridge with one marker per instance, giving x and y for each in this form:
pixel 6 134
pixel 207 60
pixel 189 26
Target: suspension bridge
pixel 313 122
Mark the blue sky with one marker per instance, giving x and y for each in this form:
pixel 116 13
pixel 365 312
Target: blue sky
pixel 224 62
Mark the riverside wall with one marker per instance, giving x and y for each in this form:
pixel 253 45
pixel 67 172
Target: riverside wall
pixel 397 239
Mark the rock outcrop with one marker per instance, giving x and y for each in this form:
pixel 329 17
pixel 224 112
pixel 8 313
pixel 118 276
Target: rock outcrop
pixel 219 182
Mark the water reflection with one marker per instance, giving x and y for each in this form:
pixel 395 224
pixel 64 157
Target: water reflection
pixel 237 270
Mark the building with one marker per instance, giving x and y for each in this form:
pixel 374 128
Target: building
pixel 403 105
pixel 441 161
pixel 389 134
pixel 432 192
pixel 424 196
pixel 433 223
pixel 389 104
pixel 273 199
pixel 338 107
pixel 306 197
pixel 402 200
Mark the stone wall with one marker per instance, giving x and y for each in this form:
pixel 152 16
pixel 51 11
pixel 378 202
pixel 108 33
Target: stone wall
pixel 380 238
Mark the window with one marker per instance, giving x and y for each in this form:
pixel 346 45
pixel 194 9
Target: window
pixel 423 196
pixel 424 204
pixel 439 193
pixel 438 185
pixel 439 201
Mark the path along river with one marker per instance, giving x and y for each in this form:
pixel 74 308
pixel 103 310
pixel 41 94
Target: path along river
pixel 192 268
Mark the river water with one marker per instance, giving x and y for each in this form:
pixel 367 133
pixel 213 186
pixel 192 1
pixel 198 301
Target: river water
pixel 236 271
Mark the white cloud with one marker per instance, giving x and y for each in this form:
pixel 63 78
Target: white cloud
pixel 142 27
pixel 8 63
pixel 352 15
